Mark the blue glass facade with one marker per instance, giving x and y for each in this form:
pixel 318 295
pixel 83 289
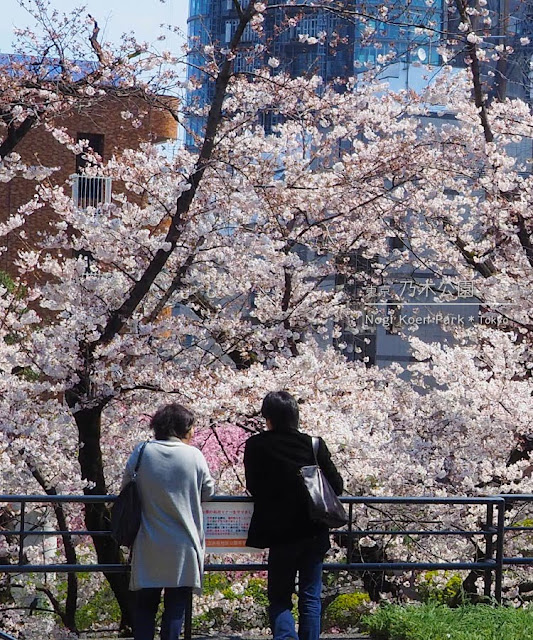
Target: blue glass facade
pixel 311 41
pixel 410 34
pixel 319 42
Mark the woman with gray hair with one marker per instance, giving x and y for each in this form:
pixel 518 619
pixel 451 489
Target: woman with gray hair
pixel 168 553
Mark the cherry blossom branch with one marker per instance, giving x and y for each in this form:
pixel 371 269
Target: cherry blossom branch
pixel 119 317
pixel 474 64
pixel 225 454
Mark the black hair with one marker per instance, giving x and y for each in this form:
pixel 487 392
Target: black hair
pixel 172 420
pixel 281 409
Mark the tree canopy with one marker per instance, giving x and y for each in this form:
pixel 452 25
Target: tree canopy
pixel 220 273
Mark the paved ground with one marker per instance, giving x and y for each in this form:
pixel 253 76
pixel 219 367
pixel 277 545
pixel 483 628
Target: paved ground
pixel 245 637
pixel 325 636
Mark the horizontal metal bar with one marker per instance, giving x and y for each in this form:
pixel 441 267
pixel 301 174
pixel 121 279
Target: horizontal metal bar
pixel 390 499
pixel 364 566
pixel 240 566
pixel 394 566
pixel 421 500
pixel 223 498
pixel 516 561
pixel 339 532
pixel 6 636
pixel 252 566
pixel 417 532
pixel 63 568
pixel 55 499
pixel 39 532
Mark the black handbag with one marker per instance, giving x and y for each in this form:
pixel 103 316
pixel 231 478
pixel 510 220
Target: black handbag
pixel 126 510
pixel 324 506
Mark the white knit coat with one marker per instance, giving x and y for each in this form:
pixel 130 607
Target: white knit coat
pixel 173 480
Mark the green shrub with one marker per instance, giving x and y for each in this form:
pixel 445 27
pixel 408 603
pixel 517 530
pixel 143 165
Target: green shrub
pixel 346 610
pixel 257 589
pixel 232 609
pixel 215 581
pixel 7 282
pixel 450 593
pixel 102 608
pixel 438 622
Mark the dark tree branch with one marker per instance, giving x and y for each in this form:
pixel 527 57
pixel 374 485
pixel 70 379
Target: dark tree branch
pixel 68 616
pixel 475 67
pixel 175 284
pixel 121 315
pixel 15 135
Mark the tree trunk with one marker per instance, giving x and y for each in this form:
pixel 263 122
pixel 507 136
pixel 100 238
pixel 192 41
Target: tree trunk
pixel 97 515
pixel 86 408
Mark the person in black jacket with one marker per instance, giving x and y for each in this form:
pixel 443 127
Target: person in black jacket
pixel 281 521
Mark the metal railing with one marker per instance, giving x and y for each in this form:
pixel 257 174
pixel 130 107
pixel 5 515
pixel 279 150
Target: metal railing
pixel 491 531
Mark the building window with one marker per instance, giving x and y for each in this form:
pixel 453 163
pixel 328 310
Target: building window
pixel 96 142
pixel 199 7
pixel 90 191
pixel 248 35
pixel 231 5
pixel 309 25
pixel 245 62
pixel 231 26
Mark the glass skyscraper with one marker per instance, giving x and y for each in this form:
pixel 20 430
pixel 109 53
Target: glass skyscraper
pixel 310 41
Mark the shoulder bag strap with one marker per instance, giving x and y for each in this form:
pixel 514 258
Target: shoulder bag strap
pixel 141 451
pixel 315 442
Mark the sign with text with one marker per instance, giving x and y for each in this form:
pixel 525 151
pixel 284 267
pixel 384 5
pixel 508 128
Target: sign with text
pixel 226 527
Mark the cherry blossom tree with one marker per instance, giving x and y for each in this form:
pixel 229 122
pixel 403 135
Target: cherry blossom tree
pixel 222 273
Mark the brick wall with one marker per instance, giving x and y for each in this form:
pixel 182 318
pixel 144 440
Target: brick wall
pixel 39 147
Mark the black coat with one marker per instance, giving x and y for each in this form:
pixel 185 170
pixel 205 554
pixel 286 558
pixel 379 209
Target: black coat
pixel 272 460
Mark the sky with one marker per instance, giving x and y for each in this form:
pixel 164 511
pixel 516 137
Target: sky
pixel 114 18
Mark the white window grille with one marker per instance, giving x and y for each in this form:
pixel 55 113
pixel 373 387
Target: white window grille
pixel 90 191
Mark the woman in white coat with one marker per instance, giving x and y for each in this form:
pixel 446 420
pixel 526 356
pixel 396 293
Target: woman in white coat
pixel 168 553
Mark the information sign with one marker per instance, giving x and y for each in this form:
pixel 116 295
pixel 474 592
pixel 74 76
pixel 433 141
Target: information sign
pixel 226 527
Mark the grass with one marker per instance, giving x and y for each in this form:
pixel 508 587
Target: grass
pixel 438 622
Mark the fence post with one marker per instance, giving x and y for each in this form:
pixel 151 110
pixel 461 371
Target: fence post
pixel 22 528
pixel 187 627
pixel 349 550
pixel 499 551
pixel 489 548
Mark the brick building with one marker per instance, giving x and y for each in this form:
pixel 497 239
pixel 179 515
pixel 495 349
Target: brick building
pixel 108 134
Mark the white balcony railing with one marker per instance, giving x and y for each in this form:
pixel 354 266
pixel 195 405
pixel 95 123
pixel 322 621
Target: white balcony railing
pixel 88 191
